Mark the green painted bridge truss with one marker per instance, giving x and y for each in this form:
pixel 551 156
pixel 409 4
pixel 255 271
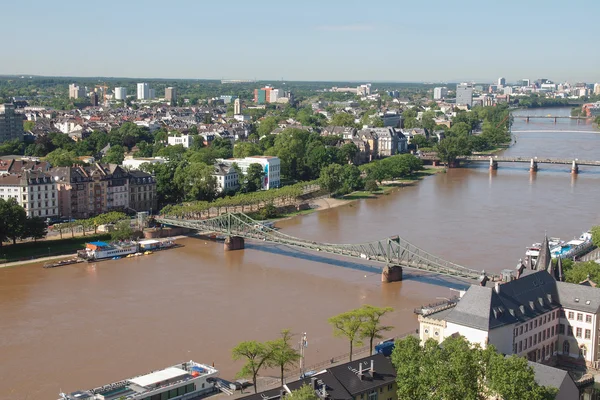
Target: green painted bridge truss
pixel 390 251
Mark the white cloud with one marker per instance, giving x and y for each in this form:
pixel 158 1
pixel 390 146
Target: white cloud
pixel 346 28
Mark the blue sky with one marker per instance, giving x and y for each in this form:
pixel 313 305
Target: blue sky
pixel 418 40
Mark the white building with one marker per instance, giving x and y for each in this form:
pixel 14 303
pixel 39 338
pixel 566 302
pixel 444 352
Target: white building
pixel 120 93
pixel 508 90
pixel 143 91
pixel 440 93
pixel 185 140
pixel 132 163
pixel 501 82
pixel 227 177
pixel 237 107
pixel 76 92
pixel 275 95
pixel 464 94
pixel 35 191
pixel 533 316
pixel 271 167
pixel 597 88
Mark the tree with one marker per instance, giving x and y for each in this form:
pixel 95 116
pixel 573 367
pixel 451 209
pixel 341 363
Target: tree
pixel 351 179
pixel 596 235
pixel 114 155
pixel 343 119
pixel 196 181
pixel 28 125
pixel 331 178
pixel 266 126
pixel 371 185
pixel 246 149
pixel 14 219
pixel 348 152
pixel 581 271
pixel 306 392
pixel 255 354
pixel 35 228
pixel 449 149
pixel 458 370
pixel 62 158
pixel 254 178
pixel 283 355
pixel 420 141
pixel 122 231
pixel 348 325
pixel 371 328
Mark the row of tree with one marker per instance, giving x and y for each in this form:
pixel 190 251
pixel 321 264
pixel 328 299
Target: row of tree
pixel 243 202
pixel 89 224
pixel 15 224
pixel 458 370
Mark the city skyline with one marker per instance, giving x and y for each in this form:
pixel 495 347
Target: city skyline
pixel 332 41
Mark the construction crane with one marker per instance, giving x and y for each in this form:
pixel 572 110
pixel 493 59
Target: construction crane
pixel 104 88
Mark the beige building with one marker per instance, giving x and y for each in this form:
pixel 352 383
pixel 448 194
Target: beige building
pixel 35 191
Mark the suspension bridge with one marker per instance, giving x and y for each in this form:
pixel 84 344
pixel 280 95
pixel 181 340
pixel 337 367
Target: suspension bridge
pixel 394 252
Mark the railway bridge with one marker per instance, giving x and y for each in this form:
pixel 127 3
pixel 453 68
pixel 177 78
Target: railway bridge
pixel 394 252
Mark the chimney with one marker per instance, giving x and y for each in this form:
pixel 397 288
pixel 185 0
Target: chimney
pixel 372 367
pixel 360 371
pixel 497 287
pixel 313 383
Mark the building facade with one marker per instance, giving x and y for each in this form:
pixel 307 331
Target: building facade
pixel 533 316
pixel 143 91
pixel 142 192
pixel 501 81
pixel 271 168
pixel 464 94
pixel 184 140
pixel 35 191
pixel 87 191
pixel 76 92
pixel 227 178
pixel 171 95
pixel 11 123
pixel 237 107
pixel 120 93
pixel 440 93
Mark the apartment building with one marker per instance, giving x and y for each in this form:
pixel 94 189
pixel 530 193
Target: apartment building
pixel 142 191
pixel 11 123
pixel 271 167
pixel 35 191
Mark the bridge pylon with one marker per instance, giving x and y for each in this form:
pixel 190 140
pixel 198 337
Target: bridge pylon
pixel 493 164
pixel 533 166
pixel 391 273
pixel 233 243
pixel 574 168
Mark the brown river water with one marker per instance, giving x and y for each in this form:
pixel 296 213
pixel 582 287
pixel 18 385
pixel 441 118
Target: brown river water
pixel 83 326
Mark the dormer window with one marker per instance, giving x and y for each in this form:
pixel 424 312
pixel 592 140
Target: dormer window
pixel 576 300
pixel 587 302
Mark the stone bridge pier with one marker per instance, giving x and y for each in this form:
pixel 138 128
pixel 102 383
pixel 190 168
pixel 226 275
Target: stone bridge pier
pixel 233 243
pixel 533 166
pixel 574 168
pixel 391 273
pixel 493 164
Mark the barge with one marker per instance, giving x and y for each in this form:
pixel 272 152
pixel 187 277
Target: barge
pixel 183 381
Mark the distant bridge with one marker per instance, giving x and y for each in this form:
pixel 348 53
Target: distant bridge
pixel 554 131
pixel 493 160
pixel 393 251
pixel 554 117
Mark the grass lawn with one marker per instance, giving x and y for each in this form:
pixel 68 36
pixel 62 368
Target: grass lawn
pixel 44 248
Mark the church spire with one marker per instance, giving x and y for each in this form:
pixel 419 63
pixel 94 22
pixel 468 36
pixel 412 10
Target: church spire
pixel 544 261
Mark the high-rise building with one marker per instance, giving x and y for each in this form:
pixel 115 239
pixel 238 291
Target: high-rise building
pixel 171 95
pixel 525 82
pixel 151 93
pixel 501 81
pixel 237 107
pixel 94 99
pixel 275 95
pixel 120 93
pixel 464 94
pixel 440 92
pixel 597 88
pixel 143 91
pixel 11 124
pixel 76 92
